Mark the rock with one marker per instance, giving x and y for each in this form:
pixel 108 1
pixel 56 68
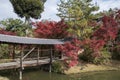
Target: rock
pixel 3 78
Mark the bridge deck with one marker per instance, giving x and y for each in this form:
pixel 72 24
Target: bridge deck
pixel 12 65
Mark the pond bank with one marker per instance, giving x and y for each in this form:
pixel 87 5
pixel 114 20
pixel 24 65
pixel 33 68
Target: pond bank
pixel 3 78
pixel 87 67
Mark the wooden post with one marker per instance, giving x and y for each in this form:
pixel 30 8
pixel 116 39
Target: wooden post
pixel 13 52
pixel 10 51
pixel 50 64
pixel 38 56
pixel 21 55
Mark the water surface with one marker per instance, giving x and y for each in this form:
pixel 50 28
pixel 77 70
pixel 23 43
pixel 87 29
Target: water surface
pixel 40 75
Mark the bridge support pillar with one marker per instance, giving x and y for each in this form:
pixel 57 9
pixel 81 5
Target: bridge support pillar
pixel 21 66
pixel 50 64
pixel 38 56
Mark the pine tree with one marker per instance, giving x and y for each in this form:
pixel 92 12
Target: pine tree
pixel 28 8
pixel 77 13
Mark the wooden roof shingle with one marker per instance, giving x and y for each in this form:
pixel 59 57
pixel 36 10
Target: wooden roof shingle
pixel 28 40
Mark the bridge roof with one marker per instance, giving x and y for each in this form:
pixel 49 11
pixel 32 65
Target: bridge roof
pixel 27 40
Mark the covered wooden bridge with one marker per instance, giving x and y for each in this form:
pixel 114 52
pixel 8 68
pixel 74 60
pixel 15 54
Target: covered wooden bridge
pixel 35 43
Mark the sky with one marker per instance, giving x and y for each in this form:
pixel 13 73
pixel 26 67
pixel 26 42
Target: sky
pixel 6 9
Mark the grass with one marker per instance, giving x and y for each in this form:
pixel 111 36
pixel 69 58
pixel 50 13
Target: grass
pixel 87 67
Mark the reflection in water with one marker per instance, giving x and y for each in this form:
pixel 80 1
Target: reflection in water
pixel 40 75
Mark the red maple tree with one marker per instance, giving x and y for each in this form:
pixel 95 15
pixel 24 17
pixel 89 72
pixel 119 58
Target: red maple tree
pixel 103 35
pixel 2 31
pixel 70 49
pixel 108 31
pixel 51 29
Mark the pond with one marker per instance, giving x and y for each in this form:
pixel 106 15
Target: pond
pixel 40 75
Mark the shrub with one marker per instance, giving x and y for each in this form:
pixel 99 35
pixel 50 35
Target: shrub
pixel 116 52
pixel 86 55
pixel 104 58
pixel 101 57
pixel 57 67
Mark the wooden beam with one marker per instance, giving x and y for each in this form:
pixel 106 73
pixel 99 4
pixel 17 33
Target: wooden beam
pixel 28 53
pixel 25 64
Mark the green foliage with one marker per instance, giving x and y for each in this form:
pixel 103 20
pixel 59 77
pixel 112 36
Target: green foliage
pixel 104 58
pixel 28 8
pixel 107 12
pixel 57 67
pixel 87 56
pixel 115 52
pixel 17 26
pixel 4 51
pixel 11 24
pixel 77 14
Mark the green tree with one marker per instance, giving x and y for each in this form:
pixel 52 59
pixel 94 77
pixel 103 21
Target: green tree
pixel 4 50
pixel 28 8
pixel 77 13
pixel 17 26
